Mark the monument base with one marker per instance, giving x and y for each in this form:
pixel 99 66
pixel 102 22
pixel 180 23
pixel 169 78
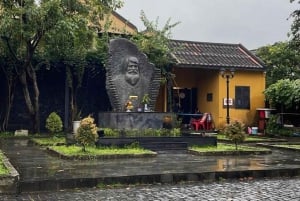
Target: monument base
pixel 134 120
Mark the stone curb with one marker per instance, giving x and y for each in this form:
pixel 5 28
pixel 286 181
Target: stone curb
pixel 9 184
pixel 227 153
pixel 281 148
pixel 172 178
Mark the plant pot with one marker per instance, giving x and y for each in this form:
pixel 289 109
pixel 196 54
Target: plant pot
pixel 76 125
pixel 167 122
pixel 146 109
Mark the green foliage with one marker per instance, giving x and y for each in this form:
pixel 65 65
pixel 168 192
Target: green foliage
pixel 235 131
pixel 282 62
pixel 146 99
pixel 53 141
pixel 108 132
pixel 54 123
pixel 175 132
pixel 87 132
pixel 284 92
pixel 295 27
pixel 275 128
pixel 100 151
pixel 221 147
pixel 54 29
pixel 272 126
pixel 155 42
pixel 3 169
pixel 148 132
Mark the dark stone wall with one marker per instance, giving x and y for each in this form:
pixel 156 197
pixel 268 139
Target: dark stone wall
pixel 92 96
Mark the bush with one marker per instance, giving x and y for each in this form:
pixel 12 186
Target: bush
pixel 54 123
pixel 87 132
pixel 272 125
pixel 235 131
pixel 108 132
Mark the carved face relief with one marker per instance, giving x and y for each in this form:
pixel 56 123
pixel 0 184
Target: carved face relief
pixel 132 74
pixel 129 73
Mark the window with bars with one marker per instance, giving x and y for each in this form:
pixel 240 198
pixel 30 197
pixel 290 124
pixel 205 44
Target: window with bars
pixel 242 97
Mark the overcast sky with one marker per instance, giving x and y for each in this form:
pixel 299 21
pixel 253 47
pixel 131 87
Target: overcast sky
pixel 253 23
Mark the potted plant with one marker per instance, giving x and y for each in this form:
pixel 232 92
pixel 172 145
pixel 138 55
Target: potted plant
pixel 145 102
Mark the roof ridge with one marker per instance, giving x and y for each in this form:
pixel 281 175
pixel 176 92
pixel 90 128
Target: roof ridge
pixel 214 43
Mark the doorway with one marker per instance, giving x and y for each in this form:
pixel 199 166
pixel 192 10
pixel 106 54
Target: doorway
pixel 184 100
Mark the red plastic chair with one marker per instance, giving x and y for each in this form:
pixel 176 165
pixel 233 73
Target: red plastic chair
pixel 199 123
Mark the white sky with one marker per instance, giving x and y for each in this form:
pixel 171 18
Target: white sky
pixel 253 23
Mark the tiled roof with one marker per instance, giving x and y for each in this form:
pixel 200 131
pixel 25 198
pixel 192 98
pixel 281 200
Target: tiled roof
pixel 214 55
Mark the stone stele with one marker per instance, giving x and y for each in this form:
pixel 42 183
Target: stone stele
pixel 129 76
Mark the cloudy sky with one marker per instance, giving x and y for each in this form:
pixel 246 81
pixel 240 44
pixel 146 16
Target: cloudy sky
pixel 253 23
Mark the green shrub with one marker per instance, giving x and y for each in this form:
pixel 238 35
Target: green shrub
pixel 235 131
pixel 275 128
pixel 272 126
pixel 54 123
pixel 148 132
pixel 87 132
pixel 108 132
pixel 175 132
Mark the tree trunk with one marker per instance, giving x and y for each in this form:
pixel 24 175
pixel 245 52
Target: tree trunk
pixel 9 101
pixel 8 95
pixel 31 103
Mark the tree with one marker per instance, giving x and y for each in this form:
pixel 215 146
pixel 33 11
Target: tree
pixel 295 27
pixel 24 25
pixel 54 123
pixel 284 94
pixel 87 133
pixel 155 44
pixel 7 68
pixel 294 43
pixel 235 131
pixel 282 62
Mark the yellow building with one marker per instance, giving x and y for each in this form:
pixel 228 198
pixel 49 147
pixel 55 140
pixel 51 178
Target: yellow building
pixel 117 24
pixel 199 82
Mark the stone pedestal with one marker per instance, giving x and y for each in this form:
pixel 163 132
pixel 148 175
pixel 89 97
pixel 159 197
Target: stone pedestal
pixel 133 120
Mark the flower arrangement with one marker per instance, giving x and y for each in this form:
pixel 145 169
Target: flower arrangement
pixel 129 106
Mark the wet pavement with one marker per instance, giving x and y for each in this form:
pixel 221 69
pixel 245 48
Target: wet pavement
pixel 284 189
pixel 41 171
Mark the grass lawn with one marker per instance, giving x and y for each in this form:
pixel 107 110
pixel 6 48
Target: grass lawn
pixel 50 141
pixel 94 151
pixel 248 138
pixel 225 147
pixel 3 169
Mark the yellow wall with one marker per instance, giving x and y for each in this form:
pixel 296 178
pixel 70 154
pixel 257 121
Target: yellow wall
pixel 256 81
pixel 210 81
pixel 119 24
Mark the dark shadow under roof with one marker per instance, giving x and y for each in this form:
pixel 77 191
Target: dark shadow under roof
pixel 214 55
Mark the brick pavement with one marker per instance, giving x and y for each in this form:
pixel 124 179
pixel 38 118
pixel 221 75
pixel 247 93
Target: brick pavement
pixel 285 189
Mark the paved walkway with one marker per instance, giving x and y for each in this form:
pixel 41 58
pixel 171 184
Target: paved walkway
pixel 41 171
pixel 255 190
